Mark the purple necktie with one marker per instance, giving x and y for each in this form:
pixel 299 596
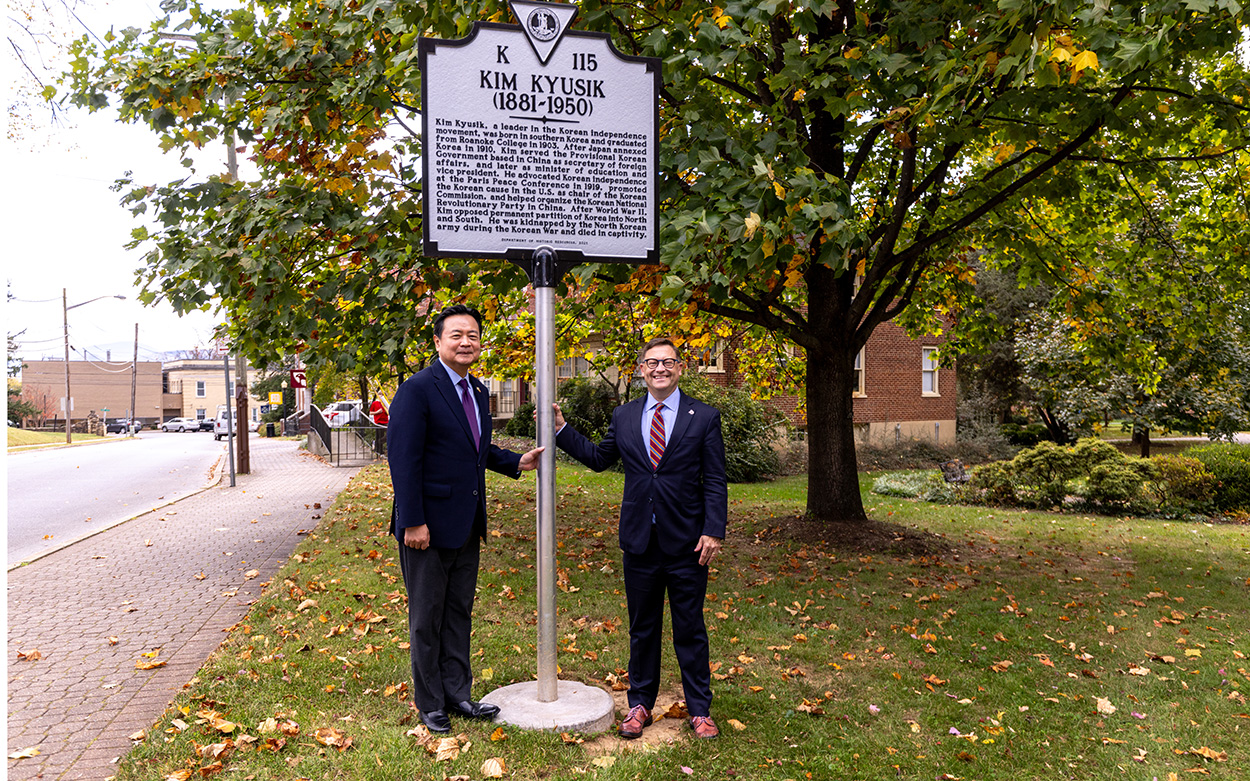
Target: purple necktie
pixel 467 401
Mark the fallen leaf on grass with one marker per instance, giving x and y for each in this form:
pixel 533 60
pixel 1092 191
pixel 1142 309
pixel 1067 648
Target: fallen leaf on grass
pixel 1107 741
pixel 737 725
pixel 1000 667
pixel 606 761
pixel 1206 753
pixel 570 739
pixel 933 680
pixel 211 770
pixel 138 737
pixel 1104 706
pixel 493 768
pixel 966 756
pixel 334 738
pixel 445 749
pixel 178 775
pixel 812 708
pixel 1134 669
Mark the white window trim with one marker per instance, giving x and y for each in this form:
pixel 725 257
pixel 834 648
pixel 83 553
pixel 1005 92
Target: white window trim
pixel 927 365
pixel 201 389
pixel 858 392
pixel 716 362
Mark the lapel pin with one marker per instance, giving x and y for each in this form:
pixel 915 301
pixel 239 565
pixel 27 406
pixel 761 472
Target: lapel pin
pixel 691 412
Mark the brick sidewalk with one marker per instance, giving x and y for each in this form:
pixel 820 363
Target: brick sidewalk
pixel 172 580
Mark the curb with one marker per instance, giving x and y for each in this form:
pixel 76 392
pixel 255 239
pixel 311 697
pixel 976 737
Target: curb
pixel 62 445
pixel 215 475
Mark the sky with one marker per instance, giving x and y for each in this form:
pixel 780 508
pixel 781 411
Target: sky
pixel 66 230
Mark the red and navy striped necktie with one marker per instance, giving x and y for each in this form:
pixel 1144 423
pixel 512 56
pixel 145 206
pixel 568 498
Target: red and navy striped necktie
pixel 656 443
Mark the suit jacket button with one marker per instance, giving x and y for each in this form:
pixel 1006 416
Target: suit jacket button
pixel 475 493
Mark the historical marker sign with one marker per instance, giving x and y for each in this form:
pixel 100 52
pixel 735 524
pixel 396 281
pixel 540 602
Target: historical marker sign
pixel 537 135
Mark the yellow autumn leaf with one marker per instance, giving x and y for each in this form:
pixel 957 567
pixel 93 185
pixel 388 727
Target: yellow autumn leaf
pixel 604 761
pixel 752 224
pixel 1086 59
pixel 853 53
pixel 737 725
pixel 779 190
pixel 769 247
pixel 1060 55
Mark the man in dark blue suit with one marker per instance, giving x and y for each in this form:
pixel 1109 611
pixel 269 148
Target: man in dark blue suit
pixel 439 450
pixel 673 517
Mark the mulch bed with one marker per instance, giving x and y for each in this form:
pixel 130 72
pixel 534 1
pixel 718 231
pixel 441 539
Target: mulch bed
pixel 853 537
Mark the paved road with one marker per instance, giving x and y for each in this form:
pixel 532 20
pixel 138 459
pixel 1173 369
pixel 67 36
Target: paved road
pixel 57 496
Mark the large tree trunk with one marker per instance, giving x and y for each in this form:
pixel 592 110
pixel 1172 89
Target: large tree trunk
pixel 832 470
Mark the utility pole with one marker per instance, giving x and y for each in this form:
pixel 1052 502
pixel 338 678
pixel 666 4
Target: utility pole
pixel 134 378
pixel 69 402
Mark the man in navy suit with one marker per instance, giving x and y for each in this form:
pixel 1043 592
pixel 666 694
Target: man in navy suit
pixel 673 517
pixel 439 450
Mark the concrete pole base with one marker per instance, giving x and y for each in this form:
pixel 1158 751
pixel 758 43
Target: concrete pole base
pixel 578 707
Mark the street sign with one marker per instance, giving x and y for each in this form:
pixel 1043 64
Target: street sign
pixel 537 135
pixel 299 379
pixel 275 398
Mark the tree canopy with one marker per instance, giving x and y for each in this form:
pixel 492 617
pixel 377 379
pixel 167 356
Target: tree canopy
pixel 823 164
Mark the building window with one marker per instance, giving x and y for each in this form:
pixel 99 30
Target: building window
pixel 712 361
pixel 575 366
pixel 200 413
pixel 199 389
pixel 928 372
pixel 859 374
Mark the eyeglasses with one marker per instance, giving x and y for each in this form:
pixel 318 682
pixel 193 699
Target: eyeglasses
pixel 652 363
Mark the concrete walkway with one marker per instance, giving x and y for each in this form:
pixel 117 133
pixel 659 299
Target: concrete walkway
pixel 174 581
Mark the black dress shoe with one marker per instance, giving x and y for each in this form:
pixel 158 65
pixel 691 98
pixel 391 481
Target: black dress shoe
pixel 474 710
pixel 436 721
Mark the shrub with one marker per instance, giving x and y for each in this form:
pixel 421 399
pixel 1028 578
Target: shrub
pixel 1116 482
pixel 588 406
pixel 1024 435
pixel 1090 452
pixel 748 428
pixel 1042 473
pixel 522 423
pixel 926 486
pixel 995 482
pixel 1182 482
pixel 1230 464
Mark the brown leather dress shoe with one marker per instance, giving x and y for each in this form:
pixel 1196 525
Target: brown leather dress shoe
pixel 637 718
pixel 704 727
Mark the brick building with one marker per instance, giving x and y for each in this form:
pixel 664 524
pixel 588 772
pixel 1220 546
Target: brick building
pixel 903 394
pixel 95 386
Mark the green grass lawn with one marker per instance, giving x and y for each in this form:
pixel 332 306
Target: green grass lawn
pixel 22 438
pixel 1039 646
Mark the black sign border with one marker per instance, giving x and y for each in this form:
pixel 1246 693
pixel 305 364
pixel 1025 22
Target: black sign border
pixel 428 46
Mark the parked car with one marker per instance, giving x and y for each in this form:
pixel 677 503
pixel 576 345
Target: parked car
pixel 121 426
pixel 341 413
pixel 221 428
pixel 180 424
pixel 206 424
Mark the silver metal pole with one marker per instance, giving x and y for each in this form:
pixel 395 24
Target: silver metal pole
pixel 545 374
pixel 69 415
